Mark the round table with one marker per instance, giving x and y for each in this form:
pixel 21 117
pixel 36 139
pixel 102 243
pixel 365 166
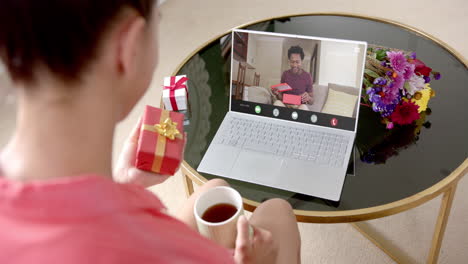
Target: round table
pixel 413 173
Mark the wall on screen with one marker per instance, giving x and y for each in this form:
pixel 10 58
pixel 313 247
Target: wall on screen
pixel 339 63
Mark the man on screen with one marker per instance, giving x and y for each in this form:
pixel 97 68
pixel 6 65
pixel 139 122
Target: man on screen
pixel 299 80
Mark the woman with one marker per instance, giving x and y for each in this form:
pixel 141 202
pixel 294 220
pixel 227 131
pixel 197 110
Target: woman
pixel 79 67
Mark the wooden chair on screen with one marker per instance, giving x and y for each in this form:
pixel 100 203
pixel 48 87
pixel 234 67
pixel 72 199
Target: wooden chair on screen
pixel 256 81
pixel 240 81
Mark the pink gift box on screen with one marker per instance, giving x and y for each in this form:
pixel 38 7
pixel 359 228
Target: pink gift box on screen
pixel 292 99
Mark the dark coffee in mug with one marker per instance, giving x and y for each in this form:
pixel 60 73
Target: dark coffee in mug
pixel 219 213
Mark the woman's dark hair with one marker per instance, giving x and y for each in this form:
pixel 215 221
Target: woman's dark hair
pixel 61 35
pixel 296 50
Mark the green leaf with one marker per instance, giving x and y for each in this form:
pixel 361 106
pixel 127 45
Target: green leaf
pixel 381 54
pixel 367 83
pixel 406 86
pixel 371 73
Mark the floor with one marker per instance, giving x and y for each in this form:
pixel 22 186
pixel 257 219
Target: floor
pixel 187 24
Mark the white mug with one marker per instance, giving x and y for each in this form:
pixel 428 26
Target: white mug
pixel 224 233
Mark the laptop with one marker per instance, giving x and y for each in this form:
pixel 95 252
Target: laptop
pixel 297 139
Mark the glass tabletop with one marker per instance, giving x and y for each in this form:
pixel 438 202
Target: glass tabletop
pixel 385 166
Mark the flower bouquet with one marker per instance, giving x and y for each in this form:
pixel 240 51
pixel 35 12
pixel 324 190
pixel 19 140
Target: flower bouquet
pixel 397 85
pixel 396 94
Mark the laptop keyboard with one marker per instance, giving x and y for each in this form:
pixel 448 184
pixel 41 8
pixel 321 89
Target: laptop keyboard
pixel 298 143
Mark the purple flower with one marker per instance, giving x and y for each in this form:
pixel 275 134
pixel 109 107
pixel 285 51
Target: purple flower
pixel 373 94
pixel 409 71
pixel 391 88
pixel 413 55
pixel 383 63
pixel 397 60
pixel 390 97
pixel 375 107
pixel 387 111
pixel 380 81
pixel 398 82
pixel 383 102
pixel 391 107
pixel 375 98
pixel 389 125
pixel 437 75
pixel 389 73
pixel 427 79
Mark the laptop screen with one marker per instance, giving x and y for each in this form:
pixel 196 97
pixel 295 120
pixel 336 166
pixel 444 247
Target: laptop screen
pixel 297 78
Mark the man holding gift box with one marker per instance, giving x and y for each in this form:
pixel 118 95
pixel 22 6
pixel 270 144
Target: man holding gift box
pixel 299 80
pixel 60 201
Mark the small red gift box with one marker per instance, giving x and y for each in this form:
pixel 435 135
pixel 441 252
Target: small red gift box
pixel 292 99
pixel 282 87
pixel 161 142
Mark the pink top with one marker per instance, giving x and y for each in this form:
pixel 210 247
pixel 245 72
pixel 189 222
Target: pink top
pixel 91 219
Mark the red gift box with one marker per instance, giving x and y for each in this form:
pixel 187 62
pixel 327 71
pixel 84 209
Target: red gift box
pixel 282 87
pixel 292 99
pixel 161 142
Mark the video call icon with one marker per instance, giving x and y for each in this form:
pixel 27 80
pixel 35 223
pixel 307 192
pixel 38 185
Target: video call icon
pixel 313 118
pixel 275 112
pixel 334 122
pixel 294 115
pixel 258 109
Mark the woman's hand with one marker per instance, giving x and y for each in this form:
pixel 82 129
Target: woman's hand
pixel 125 170
pixel 258 249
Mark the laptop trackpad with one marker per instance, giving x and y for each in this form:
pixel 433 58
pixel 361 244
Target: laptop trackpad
pixel 257 167
pixel 219 160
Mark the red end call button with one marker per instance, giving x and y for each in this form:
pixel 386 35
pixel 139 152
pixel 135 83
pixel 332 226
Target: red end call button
pixel 334 122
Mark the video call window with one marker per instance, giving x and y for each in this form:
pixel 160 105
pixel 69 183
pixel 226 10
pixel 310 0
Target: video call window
pixel 322 76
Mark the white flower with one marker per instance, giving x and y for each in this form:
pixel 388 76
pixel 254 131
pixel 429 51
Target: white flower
pixel 416 83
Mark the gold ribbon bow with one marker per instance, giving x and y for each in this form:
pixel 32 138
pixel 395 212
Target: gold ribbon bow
pixel 167 129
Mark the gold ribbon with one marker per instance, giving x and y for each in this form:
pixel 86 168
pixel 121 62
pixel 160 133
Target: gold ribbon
pixel 166 129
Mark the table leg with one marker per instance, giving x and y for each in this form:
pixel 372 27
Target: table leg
pixel 394 252
pixel 441 224
pixel 188 184
pixel 387 246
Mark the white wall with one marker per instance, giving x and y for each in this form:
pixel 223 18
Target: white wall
pixel 306 44
pixel 340 63
pixel 252 51
pixel 268 60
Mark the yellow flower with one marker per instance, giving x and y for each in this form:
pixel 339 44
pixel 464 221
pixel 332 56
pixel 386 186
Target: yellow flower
pixel 422 98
